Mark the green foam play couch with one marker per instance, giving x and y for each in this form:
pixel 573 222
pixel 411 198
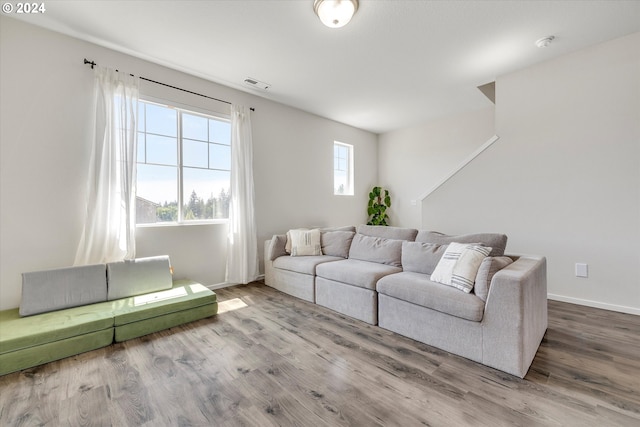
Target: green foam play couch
pixel 28 340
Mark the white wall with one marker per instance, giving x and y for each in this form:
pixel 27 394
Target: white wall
pixel 45 135
pixel 564 178
pixel 412 160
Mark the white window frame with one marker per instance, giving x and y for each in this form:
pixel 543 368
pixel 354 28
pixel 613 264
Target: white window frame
pixel 349 187
pixel 181 108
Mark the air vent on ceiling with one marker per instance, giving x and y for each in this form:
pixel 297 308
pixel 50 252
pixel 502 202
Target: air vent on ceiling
pixel 256 84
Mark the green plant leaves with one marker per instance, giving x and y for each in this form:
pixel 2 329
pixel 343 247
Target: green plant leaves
pixel 379 201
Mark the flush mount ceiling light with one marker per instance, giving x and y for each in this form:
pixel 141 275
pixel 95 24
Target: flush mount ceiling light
pixel 545 41
pixel 335 13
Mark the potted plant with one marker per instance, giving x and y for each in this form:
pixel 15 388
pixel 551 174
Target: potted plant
pixel 379 201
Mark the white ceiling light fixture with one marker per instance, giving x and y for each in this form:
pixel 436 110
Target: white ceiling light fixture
pixel 545 41
pixel 335 13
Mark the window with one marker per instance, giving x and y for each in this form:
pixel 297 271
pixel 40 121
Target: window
pixel 182 156
pixel 342 169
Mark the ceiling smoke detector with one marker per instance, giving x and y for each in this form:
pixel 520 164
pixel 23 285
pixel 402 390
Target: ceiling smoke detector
pixel 256 84
pixel 545 41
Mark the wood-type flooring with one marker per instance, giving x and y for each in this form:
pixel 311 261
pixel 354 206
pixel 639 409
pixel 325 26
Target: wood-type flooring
pixel 269 359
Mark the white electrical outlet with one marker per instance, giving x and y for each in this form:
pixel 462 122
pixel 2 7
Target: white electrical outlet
pixel 582 270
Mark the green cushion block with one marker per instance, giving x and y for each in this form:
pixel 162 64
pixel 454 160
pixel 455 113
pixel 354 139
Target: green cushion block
pixel 18 333
pixel 166 321
pixel 184 295
pixel 33 356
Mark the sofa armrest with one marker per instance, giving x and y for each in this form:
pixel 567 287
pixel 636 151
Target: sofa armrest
pixel 515 317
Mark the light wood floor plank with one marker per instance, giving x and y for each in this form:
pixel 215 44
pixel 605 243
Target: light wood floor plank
pixel 269 359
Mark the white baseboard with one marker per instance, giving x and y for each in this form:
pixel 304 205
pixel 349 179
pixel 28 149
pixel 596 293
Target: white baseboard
pixel 595 304
pixel 227 284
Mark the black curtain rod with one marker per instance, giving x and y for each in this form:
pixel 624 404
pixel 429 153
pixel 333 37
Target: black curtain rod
pixel 93 64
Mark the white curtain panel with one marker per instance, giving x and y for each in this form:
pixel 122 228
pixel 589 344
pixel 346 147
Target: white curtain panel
pixel 242 243
pixel 109 229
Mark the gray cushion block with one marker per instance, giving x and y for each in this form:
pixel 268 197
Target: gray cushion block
pixel 336 243
pixel 398 233
pixel 421 257
pixel 303 264
pixel 417 289
pixel 60 288
pixel 497 242
pixel 138 276
pixel 354 272
pixel 376 249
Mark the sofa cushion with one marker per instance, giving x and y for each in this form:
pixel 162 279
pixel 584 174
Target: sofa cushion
pixel 355 272
pixel 397 233
pixel 444 270
pixel 489 267
pixel 498 242
pixel 19 333
pixel 376 249
pixel 184 295
pixel 464 272
pixel 277 246
pixel 421 257
pixel 50 290
pixel 417 289
pixel 138 276
pixel 305 242
pixel 336 243
pixel 303 264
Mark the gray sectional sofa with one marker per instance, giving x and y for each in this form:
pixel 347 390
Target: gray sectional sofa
pixel 382 275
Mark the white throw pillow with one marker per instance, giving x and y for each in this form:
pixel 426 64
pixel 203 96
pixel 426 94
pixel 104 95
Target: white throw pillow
pixel 444 269
pixel 464 272
pixel 305 242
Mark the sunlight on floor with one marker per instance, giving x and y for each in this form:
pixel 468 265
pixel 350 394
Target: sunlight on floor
pixel 230 305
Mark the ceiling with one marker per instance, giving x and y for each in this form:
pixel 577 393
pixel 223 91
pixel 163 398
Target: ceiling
pixel 397 63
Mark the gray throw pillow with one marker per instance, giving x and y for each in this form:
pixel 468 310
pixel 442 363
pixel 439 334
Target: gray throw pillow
pixel 497 242
pixel 421 257
pixel 489 267
pixel 336 243
pixel 277 246
pixel 376 249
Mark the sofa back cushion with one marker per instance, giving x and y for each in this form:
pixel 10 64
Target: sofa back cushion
pixel 497 242
pixel 376 249
pixel 138 276
pixel 60 288
pixel 421 257
pixel 277 247
pixel 397 233
pixel 336 243
pixel 489 267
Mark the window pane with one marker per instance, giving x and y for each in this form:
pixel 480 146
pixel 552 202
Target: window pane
pixel 194 127
pixel 194 153
pixel 161 120
pixel 220 156
pixel 141 115
pixel 206 194
pixel 220 132
pixel 156 194
pixel 342 169
pixel 141 148
pixel 162 150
